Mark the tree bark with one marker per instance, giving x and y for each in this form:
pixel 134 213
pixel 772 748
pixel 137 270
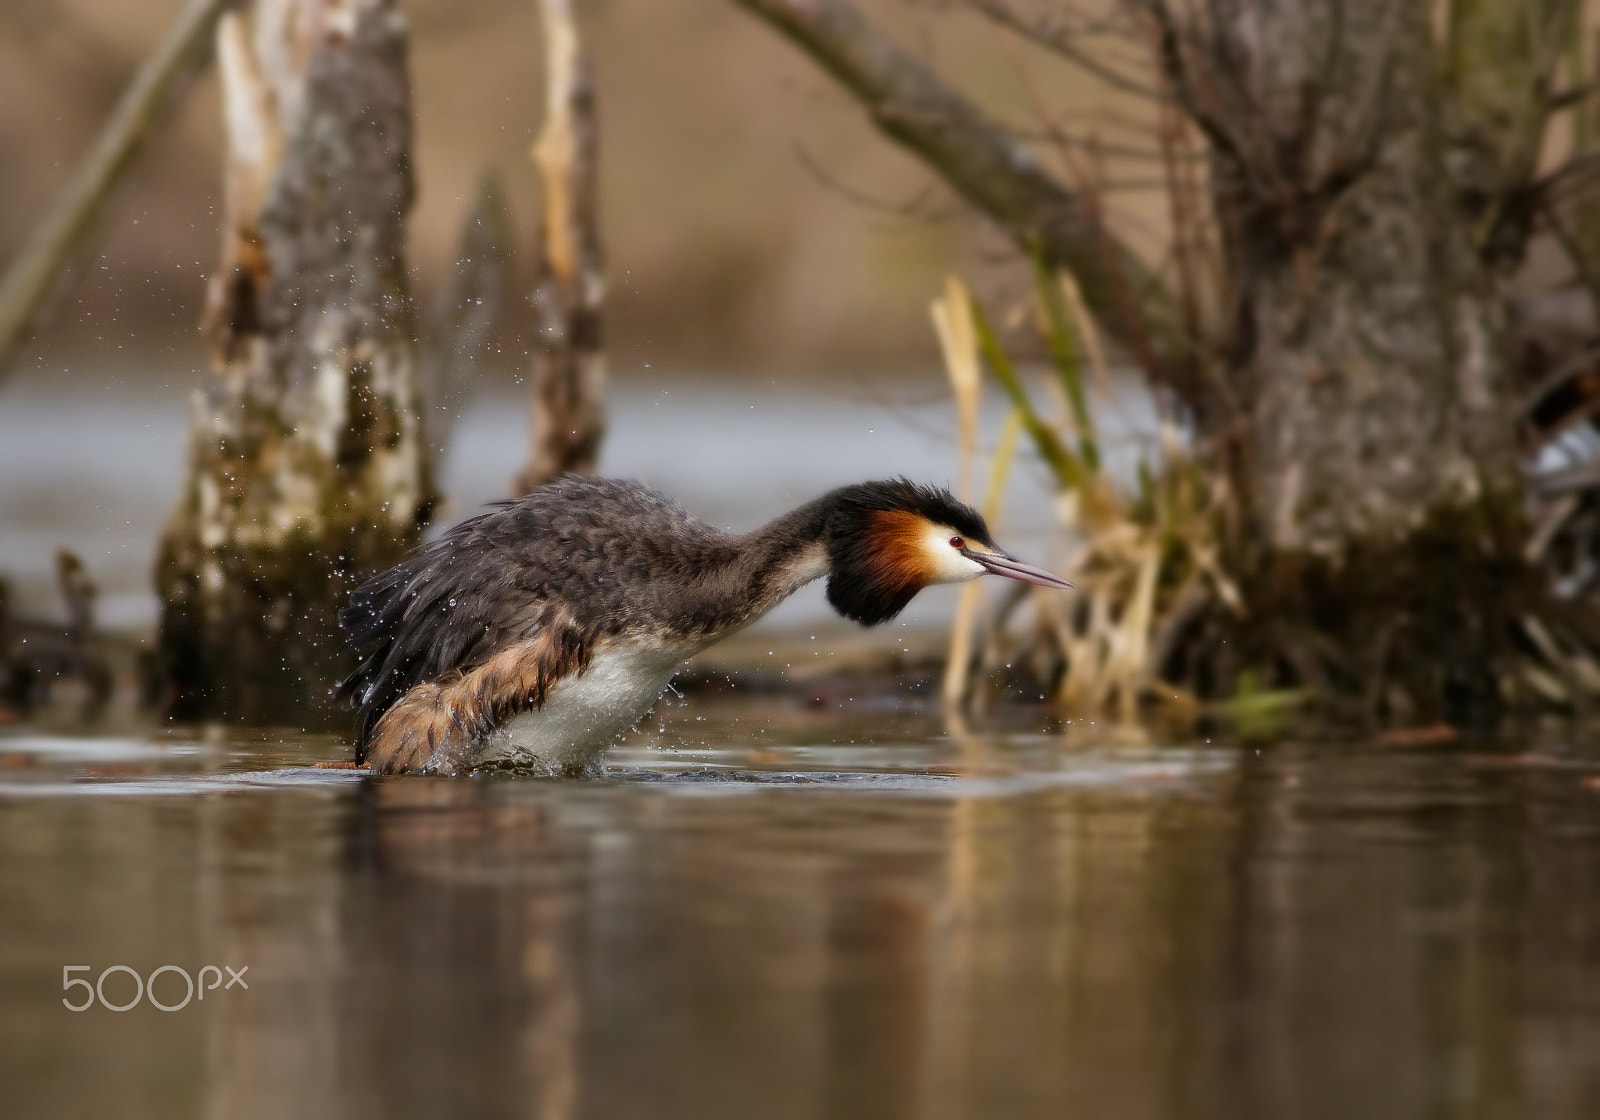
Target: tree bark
pixel 308 468
pixel 1370 341
pixel 568 377
pixel 1376 461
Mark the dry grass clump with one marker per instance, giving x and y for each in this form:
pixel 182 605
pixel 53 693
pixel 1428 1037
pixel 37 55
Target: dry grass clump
pixel 1145 560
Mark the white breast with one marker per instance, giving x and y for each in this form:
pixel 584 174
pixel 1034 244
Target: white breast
pixel 584 715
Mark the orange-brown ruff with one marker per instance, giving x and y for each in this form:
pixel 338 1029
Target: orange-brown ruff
pixel 900 563
pixel 537 633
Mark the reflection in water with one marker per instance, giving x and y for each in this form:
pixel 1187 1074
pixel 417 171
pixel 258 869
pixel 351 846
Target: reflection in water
pixel 1317 933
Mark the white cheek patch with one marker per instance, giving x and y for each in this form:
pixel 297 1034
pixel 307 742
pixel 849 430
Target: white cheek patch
pixel 945 562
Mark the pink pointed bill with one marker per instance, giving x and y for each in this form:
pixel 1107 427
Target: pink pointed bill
pixel 1002 565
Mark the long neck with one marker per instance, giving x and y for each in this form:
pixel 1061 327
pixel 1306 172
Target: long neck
pixel 783 555
pixel 741 578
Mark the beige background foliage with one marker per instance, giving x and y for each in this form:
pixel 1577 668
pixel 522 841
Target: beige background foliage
pixel 729 250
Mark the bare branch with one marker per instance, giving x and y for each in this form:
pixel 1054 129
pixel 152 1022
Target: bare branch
pixel 1050 133
pixel 996 174
pixel 1578 164
pixel 913 209
pixel 1169 46
pixel 1059 40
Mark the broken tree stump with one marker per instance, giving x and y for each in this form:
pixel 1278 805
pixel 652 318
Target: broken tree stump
pixel 568 376
pixel 308 467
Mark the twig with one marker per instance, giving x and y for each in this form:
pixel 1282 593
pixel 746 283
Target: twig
pixel 911 210
pixel 1548 525
pixel 174 62
pixel 1169 50
pixel 1578 162
pixel 997 175
pixel 1571 480
pixel 1064 43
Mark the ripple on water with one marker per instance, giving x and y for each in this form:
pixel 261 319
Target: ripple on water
pixel 901 769
pixel 66 748
pixel 182 785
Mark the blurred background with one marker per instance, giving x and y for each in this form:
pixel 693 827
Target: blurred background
pixel 753 219
pixel 769 257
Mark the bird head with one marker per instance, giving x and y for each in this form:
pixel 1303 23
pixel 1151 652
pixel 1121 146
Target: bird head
pixel 886 541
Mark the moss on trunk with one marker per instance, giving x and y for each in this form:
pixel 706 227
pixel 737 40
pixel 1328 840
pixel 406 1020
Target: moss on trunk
pixel 1429 627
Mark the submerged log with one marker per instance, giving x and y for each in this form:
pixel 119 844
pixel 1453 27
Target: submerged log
pixel 569 293
pixel 308 467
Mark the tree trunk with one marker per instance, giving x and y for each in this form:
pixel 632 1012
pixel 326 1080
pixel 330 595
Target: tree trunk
pixel 1370 341
pixel 1375 455
pixel 308 468
pixel 565 393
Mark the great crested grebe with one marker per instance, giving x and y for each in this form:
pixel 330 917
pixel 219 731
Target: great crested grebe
pixel 536 634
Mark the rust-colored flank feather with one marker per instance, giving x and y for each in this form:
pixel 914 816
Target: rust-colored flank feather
pixel 437 723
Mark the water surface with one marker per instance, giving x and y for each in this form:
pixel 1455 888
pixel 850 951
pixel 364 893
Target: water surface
pixel 798 909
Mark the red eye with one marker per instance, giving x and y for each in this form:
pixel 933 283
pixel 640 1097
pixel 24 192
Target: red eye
pixel 957 542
